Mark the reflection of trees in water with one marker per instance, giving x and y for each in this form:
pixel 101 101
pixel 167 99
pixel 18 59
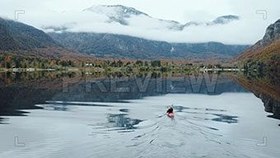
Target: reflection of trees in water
pixel 25 90
pixel 24 78
pixel 134 87
pixel 266 87
pixel 271 105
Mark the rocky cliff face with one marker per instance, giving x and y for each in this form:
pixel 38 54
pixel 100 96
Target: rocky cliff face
pixel 272 33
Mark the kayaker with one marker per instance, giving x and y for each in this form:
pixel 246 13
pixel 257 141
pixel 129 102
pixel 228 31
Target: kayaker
pixel 170 110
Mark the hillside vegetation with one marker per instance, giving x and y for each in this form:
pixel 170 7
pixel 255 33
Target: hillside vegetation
pixel 265 54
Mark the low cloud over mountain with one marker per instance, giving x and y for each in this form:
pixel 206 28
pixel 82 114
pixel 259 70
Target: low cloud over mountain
pixel 118 19
pixel 181 21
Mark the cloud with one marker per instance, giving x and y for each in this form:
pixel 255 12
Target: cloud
pixel 190 21
pixel 55 28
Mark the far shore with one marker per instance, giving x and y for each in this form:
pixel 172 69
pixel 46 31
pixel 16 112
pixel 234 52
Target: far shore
pixel 75 69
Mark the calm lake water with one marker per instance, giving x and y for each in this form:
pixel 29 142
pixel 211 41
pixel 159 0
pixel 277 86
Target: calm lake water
pixel 93 115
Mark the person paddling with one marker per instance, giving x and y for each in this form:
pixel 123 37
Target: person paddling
pixel 170 112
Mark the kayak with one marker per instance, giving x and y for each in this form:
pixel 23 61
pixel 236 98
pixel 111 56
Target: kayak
pixel 171 114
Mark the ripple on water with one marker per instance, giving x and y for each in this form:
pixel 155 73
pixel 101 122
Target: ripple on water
pixel 225 118
pixel 118 122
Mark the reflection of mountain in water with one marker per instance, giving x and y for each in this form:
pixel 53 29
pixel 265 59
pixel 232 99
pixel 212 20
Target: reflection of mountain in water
pixel 124 88
pixel 271 105
pixel 267 88
pixel 24 90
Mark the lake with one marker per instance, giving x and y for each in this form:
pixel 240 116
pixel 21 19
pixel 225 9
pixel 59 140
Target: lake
pixel 62 114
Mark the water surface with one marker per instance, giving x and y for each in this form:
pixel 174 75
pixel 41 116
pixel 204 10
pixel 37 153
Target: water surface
pixel 74 115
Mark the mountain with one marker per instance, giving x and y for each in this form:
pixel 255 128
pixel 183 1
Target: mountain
pixel 15 36
pixel 265 54
pixel 224 19
pixel 116 13
pixel 115 10
pixel 122 46
pixel 124 15
pixel 127 15
pixel 22 40
pixel 272 33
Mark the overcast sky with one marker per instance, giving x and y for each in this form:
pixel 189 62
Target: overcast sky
pixel 250 28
